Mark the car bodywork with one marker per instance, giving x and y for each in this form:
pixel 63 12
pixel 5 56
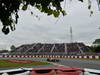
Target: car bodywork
pixel 57 71
pixel 52 60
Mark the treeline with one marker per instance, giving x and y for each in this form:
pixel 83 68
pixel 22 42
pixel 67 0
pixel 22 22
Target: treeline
pixel 12 48
pixel 95 49
pixel 4 51
pixel 96 46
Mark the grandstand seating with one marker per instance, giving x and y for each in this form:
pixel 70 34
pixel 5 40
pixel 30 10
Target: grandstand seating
pixel 56 48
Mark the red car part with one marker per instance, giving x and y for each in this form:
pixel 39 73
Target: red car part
pixel 57 71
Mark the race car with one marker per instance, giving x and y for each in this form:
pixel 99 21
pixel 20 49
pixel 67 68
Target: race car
pixel 53 60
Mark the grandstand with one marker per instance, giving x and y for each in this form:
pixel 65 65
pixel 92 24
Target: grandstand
pixel 50 49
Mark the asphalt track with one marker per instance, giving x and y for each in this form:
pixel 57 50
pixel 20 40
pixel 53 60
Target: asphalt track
pixel 81 63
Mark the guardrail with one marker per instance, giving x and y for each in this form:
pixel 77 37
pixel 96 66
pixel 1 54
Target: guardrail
pixel 50 56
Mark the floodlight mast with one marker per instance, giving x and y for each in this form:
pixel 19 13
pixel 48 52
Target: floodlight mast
pixel 71 35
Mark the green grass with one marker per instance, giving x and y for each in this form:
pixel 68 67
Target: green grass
pixel 6 64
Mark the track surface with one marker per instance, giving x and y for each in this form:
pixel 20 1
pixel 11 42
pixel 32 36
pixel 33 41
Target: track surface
pixel 92 64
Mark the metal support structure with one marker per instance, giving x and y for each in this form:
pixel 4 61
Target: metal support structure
pixel 52 48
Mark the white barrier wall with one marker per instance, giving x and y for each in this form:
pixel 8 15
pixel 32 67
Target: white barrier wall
pixel 47 56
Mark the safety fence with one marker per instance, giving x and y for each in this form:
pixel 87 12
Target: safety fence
pixel 50 56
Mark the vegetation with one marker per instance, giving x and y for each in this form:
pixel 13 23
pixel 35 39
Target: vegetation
pixel 95 49
pixel 7 64
pixel 96 46
pixel 9 10
pixel 97 41
pixel 13 48
pixel 4 51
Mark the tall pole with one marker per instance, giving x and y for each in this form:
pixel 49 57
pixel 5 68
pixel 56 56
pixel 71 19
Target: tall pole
pixel 71 35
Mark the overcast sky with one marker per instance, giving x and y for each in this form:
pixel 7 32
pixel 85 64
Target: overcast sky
pixel 47 29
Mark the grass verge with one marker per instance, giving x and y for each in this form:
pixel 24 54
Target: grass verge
pixel 6 64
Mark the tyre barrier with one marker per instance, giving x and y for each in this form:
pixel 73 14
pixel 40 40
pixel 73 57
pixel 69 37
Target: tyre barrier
pixel 49 56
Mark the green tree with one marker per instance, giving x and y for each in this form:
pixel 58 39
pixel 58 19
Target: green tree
pixel 13 48
pixel 97 41
pixel 97 49
pixel 4 51
pixel 96 46
pixel 9 8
